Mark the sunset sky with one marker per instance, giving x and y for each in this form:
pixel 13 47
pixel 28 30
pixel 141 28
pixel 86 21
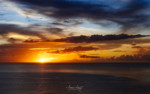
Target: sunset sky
pixel 74 31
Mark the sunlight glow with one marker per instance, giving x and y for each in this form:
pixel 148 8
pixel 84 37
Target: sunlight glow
pixel 44 60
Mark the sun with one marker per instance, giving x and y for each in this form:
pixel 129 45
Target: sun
pixel 43 57
pixel 42 60
pixel 45 60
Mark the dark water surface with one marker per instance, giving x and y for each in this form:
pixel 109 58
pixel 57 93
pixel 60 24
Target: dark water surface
pixel 55 78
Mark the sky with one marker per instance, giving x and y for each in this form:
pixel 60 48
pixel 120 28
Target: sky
pixel 74 31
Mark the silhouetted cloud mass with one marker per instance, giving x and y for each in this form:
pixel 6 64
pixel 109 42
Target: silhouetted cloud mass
pixel 95 38
pixel 87 56
pixel 75 49
pixel 139 57
pixel 136 57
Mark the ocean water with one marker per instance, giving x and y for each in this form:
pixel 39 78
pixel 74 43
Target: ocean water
pixel 93 78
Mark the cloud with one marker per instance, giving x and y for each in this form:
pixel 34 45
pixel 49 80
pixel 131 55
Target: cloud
pixel 67 22
pixel 29 30
pixel 141 55
pixel 75 49
pixel 86 56
pixel 57 31
pixel 137 47
pixel 13 40
pixel 119 51
pixel 137 58
pixel 96 38
pixel 8 28
pixel 128 14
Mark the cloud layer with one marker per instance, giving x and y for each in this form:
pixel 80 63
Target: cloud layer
pixel 96 38
pixel 75 49
pixel 132 14
pixel 30 30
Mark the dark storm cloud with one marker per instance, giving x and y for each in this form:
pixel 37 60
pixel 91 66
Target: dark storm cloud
pixel 75 49
pixel 96 38
pixel 129 15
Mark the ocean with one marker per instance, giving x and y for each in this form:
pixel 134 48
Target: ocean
pixel 94 78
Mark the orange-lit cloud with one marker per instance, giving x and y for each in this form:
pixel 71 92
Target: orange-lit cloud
pixel 112 50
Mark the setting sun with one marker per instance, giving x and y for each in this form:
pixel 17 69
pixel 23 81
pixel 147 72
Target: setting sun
pixel 42 61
